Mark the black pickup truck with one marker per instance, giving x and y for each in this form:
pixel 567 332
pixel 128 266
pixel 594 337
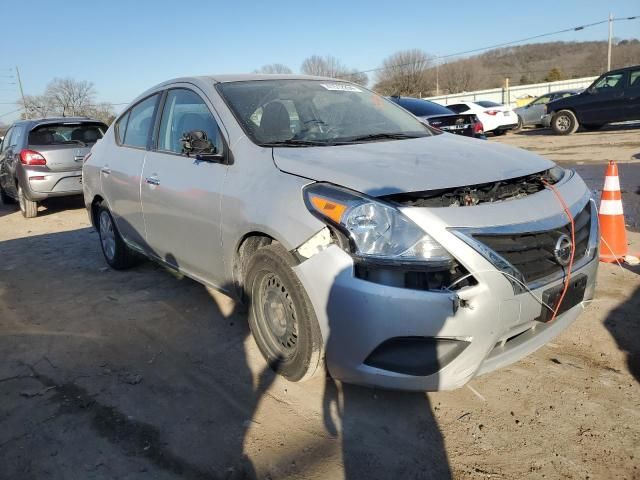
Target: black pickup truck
pixel 613 97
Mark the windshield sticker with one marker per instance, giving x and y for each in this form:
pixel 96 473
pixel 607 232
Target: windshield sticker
pixel 340 87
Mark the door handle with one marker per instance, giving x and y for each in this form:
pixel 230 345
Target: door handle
pixel 152 180
pixel 105 170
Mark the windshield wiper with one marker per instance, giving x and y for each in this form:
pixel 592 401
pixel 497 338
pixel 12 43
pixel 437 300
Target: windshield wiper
pixel 380 136
pixel 297 143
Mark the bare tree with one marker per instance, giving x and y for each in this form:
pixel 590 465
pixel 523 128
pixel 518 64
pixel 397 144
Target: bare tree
pixel 461 76
pixel 274 68
pixel 405 73
pixel 332 67
pixel 70 96
pixel 66 97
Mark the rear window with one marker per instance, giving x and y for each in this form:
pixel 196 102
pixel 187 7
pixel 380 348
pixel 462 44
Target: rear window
pixel 487 104
pixel 67 133
pixel 459 107
pixel 421 108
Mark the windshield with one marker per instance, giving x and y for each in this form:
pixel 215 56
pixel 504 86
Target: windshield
pixel 67 133
pixel 316 113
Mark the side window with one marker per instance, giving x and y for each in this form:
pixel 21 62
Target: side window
pixel 613 80
pixel 140 123
pixel 16 136
pixel 634 79
pixel 121 127
pixel 542 100
pixel 184 111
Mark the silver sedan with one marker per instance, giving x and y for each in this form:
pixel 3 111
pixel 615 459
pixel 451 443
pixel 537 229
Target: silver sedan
pixel 360 238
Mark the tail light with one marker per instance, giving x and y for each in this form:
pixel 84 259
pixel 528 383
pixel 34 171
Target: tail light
pixel 478 127
pixel 31 157
pixel 492 112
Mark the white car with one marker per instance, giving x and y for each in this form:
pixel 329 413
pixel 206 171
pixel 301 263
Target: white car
pixel 496 118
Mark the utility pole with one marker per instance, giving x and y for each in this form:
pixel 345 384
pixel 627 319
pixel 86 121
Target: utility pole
pixel 437 76
pixel 610 36
pixel 24 105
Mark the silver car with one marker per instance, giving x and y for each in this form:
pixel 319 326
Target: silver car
pixel 533 112
pixel 361 239
pixel 42 158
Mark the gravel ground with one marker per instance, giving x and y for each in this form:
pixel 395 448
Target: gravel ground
pixel 146 375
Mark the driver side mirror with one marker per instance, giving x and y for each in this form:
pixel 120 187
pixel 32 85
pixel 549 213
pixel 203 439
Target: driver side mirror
pixel 196 144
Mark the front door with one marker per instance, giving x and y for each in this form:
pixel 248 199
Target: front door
pixel 180 194
pixel 632 95
pixel 604 101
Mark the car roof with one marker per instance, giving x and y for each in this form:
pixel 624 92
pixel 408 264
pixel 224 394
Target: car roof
pixel 624 69
pixel 45 120
pixel 247 77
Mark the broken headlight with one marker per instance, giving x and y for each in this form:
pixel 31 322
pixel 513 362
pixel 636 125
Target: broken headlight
pixel 375 230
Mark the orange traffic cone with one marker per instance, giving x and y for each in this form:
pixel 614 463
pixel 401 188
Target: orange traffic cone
pixel 613 235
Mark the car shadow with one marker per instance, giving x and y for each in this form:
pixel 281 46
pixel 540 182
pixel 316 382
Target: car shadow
pixel 623 325
pixel 46 207
pixel 616 127
pixel 385 433
pixel 145 373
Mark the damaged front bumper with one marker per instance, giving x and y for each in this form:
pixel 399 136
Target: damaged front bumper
pixel 410 339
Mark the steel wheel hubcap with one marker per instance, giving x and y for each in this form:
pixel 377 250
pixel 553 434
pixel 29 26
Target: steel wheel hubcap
pixel 563 123
pixel 107 235
pixel 279 317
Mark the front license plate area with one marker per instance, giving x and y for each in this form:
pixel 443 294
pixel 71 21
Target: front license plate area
pixel 574 295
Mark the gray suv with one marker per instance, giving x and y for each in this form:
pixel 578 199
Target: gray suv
pixel 43 158
pixel 361 239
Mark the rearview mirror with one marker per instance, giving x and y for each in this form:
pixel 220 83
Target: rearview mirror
pixel 196 144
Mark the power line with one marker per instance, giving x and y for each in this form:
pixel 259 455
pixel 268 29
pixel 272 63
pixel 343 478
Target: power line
pixel 500 45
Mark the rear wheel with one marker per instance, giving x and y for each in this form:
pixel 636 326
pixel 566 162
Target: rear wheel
pixel 115 251
pixel 281 317
pixel 564 122
pixel 28 208
pixel 497 133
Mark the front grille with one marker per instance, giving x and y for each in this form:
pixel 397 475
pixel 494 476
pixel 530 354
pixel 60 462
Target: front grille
pixel 532 253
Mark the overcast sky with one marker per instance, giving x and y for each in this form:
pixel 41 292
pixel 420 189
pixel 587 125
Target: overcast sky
pixel 125 47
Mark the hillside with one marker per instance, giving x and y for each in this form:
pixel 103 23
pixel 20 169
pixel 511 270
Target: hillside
pixel 534 63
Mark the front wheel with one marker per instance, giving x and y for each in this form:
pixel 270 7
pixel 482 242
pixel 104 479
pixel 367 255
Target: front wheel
pixel 28 208
pixel 564 122
pixel 281 317
pixel 115 251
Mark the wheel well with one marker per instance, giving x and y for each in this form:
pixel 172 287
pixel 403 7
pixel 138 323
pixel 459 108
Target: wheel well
pixel 249 245
pixel 97 200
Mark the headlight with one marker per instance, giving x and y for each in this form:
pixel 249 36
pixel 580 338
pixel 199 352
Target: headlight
pixel 375 230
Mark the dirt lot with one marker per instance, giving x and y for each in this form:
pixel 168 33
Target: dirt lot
pixel 145 375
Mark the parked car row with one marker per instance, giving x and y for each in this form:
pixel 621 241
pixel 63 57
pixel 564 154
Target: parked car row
pixel 362 238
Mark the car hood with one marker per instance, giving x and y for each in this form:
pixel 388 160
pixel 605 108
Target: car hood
pixel 397 166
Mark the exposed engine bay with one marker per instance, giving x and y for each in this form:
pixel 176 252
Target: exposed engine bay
pixel 471 195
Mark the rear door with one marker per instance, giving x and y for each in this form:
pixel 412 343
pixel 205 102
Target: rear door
pixel 604 102
pixel 122 168
pixel 180 194
pixel 10 157
pixel 632 95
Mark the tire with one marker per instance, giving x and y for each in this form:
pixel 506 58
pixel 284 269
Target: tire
pixel 28 207
pixel 281 317
pixel 592 127
pixel 115 251
pixel 520 124
pixel 499 133
pixel 564 122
